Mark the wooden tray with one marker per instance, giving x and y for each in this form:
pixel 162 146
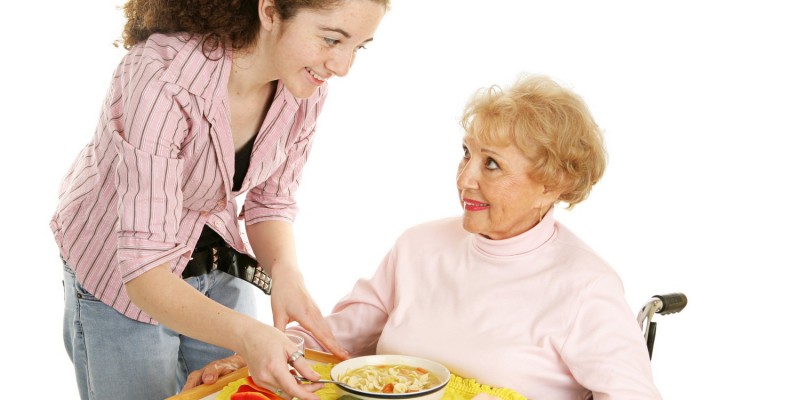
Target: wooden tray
pixel 203 391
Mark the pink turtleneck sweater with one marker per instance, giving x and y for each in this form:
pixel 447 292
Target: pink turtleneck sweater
pixel 539 313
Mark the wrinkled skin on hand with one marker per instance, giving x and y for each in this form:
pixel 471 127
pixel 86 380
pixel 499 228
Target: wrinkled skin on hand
pixel 213 371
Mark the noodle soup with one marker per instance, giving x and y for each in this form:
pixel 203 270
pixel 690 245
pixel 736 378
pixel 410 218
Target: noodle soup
pixel 390 379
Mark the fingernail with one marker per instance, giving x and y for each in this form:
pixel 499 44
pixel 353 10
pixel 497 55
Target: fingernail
pixel 208 377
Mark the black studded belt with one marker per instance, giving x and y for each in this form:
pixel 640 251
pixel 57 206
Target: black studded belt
pixel 228 260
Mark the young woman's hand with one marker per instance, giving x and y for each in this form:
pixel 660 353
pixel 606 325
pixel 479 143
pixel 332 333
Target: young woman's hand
pixel 291 302
pixel 273 245
pixel 267 353
pixel 262 372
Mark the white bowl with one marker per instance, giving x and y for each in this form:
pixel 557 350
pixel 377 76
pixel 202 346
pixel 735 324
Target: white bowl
pixel 435 393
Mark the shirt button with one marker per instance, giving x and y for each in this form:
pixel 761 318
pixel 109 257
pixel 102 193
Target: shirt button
pixel 221 203
pixel 218 224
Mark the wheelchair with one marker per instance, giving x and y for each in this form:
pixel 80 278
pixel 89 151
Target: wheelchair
pixel 664 304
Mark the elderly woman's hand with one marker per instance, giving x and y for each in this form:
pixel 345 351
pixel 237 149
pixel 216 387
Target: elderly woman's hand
pixel 213 371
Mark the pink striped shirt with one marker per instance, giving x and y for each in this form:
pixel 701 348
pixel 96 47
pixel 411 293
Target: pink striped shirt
pixel 161 163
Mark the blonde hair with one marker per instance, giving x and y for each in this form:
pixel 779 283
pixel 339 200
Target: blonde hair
pixel 550 124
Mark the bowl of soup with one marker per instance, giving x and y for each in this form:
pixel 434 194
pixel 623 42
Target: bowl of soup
pixel 389 376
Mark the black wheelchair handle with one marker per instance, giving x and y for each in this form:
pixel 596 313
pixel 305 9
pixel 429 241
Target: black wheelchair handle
pixel 671 303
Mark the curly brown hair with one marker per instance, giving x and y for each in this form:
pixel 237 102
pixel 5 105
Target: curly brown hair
pixel 229 23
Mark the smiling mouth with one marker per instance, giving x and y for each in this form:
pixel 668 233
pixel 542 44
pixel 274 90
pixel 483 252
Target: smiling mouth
pixel 314 74
pixel 472 205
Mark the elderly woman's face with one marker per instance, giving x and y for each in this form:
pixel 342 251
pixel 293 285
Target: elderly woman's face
pixel 498 194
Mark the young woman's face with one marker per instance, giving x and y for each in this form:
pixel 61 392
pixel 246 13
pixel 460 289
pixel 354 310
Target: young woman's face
pixel 315 45
pixel 498 194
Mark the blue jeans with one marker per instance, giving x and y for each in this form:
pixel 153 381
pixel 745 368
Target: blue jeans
pixel 116 357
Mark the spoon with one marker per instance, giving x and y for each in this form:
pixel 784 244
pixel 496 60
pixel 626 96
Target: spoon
pixel 306 380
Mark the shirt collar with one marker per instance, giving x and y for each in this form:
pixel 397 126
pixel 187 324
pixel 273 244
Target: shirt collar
pixel 189 68
pixel 525 242
pixel 207 77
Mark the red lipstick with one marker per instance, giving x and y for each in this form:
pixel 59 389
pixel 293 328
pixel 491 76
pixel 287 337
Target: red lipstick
pixel 473 205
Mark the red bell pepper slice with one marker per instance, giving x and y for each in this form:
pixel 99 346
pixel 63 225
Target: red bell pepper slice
pixel 252 388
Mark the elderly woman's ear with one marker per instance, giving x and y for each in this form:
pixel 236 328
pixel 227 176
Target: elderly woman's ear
pixel 550 194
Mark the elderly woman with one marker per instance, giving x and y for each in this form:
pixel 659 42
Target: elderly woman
pixel 505 294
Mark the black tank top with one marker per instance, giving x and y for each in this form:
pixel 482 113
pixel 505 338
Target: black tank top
pixel 209 237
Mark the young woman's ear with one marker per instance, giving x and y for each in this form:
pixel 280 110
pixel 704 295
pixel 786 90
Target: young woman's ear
pixel 267 14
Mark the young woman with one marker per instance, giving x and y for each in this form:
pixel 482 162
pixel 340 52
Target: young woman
pixel 214 99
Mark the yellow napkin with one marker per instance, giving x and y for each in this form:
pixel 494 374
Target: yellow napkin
pixel 464 389
pixel 457 389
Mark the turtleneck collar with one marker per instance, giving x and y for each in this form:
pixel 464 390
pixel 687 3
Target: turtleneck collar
pixel 525 242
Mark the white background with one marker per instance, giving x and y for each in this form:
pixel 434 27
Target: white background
pixel 698 101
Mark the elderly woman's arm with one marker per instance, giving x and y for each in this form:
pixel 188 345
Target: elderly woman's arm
pixel 605 349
